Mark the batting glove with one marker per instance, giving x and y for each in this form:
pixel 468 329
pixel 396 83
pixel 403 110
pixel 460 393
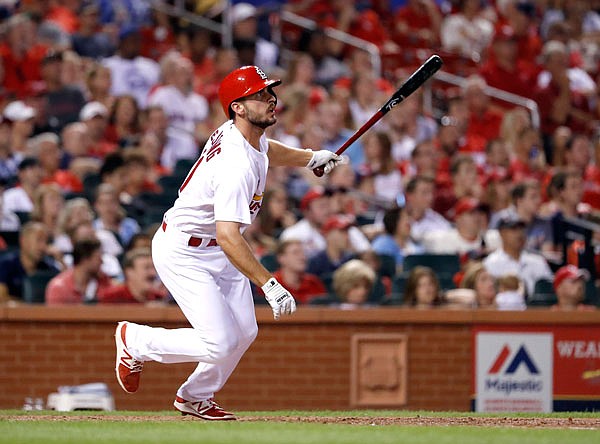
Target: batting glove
pixel 280 300
pixel 326 159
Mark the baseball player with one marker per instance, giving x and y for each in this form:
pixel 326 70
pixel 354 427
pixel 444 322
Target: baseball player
pixel 202 258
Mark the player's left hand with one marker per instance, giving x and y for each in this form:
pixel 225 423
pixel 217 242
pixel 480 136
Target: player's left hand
pixel 280 300
pixel 326 159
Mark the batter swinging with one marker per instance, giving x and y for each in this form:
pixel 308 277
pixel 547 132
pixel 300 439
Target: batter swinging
pixel 202 258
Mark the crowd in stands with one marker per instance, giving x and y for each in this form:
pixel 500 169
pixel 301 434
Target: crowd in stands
pixel 459 200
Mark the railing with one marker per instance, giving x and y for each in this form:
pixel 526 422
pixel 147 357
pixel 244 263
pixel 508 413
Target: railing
pixel 178 10
pixel 344 37
pixel 499 94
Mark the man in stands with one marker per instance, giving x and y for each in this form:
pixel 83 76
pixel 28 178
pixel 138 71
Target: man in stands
pixel 30 257
pixel 141 281
pixel 84 282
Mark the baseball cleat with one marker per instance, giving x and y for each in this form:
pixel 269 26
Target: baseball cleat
pixel 127 368
pixel 207 409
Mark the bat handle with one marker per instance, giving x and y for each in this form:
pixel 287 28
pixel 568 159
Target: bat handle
pixel 319 171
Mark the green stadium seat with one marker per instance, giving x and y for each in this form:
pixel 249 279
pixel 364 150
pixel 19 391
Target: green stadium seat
pixel 34 286
pixel 442 264
pixel 543 294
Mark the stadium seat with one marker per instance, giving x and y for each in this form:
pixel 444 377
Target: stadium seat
pixel 543 294
pixel 329 299
pixel 446 265
pixel 34 286
pixel 182 167
pixel 269 261
pixel 388 265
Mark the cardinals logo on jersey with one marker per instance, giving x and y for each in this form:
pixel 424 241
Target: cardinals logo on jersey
pixel 256 203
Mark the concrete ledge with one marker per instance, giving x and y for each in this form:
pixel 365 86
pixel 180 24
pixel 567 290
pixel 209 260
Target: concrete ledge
pixel 304 315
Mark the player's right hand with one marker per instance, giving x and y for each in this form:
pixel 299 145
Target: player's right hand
pixel 280 300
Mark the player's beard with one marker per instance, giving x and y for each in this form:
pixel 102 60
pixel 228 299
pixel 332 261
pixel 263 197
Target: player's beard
pixel 259 120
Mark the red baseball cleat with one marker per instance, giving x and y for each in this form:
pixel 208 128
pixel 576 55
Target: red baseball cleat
pixel 207 409
pixel 128 369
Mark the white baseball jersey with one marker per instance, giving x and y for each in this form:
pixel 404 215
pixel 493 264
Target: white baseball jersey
pixel 184 111
pixel 226 183
pixel 134 77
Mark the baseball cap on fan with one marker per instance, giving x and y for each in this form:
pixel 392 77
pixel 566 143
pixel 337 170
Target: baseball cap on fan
pixel 18 111
pixel 242 11
pixel 505 33
pixel 91 110
pixel 312 194
pixel 337 222
pixel 569 272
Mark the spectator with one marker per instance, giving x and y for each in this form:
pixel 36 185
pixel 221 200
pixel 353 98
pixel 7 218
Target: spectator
pixel 396 241
pixel 9 221
pixel 111 216
pixel 293 273
pixel 496 155
pixel 528 159
pixel 98 83
pixel 417 24
pixel 526 201
pixel 141 281
pixel 503 69
pixel 328 66
pixel 512 258
pixel 48 202
pixel 484 122
pixel 419 198
pixel 114 172
pixel 130 72
pixel 187 111
pixel 84 282
pixel 565 190
pixel 95 116
pixel 124 128
pixel 337 249
pixel 331 121
pixel 483 284
pixel 30 257
pixel 497 188
pixel 559 101
pixel 423 161
pixel 467 31
pixel 20 55
pixel 20 117
pixel 464 183
pixel 569 285
pixel 244 21
pixel 470 235
pixel 46 148
pixel 510 293
pixel 200 51
pixel 63 101
pixel 275 214
pixel 353 283
pixel 423 289
pixel 9 160
pixel 379 165
pixel 90 40
pixel 315 209
pixel 20 198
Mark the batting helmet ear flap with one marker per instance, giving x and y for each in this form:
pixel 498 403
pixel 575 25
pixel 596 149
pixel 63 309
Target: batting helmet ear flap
pixel 243 82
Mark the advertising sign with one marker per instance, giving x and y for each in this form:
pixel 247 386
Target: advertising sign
pixel 513 372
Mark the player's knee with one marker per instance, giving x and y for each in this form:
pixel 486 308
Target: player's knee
pixel 223 348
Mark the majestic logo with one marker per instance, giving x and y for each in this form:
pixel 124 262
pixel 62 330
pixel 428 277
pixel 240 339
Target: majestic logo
pixel 261 73
pixel 521 357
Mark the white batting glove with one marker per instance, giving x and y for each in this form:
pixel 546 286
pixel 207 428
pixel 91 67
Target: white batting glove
pixel 326 159
pixel 280 300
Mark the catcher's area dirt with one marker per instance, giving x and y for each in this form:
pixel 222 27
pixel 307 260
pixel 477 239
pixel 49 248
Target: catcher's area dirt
pixel 473 421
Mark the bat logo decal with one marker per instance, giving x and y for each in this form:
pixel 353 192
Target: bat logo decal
pixel 395 101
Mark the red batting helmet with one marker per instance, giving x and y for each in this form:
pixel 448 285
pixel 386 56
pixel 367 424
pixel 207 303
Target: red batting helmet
pixel 243 82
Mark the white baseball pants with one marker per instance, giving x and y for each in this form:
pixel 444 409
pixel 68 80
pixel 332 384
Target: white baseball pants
pixel 216 299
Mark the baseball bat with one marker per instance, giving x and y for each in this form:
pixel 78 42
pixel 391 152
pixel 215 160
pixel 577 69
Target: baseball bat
pixel 417 78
